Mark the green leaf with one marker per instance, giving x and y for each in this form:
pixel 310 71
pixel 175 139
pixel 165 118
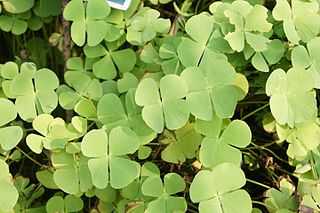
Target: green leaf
pixel 171 108
pixel 16 6
pixel 154 187
pixel 72 174
pixel 145 25
pixel 9 109
pixel 70 203
pixel 10 137
pixel 215 151
pixel 34 91
pixel 302 140
pixel 292 101
pixel 282 198
pixel 183 144
pixel 209 86
pixel 112 113
pixel 87 21
pixel 224 193
pixel 107 154
pixel 45 177
pixel 8 193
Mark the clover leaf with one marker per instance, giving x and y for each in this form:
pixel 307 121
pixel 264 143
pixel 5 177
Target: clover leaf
pixel 302 139
pixel 33 89
pixel 224 193
pixel 308 59
pixel 72 174
pixel 108 159
pixel 127 82
pixel 200 29
pixel 272 55
pixel 11 135
pixel 112 113
pixel 70 203
pixel 172 183
pixel 115 26
pixel 301 21
pixel 15 23
pixel 292 101
pixel 168 52
pixel 8 194
pixel 312 200
pixel 215 151
pixel 145 25
pixel 212 86
pixel 55 134
pixel 247 21
pixel 133 191
pixel 182 144
pixel 282 198
pixel 84 90
pixel 170 110
pixel 17 6
pixel 111 61
pixel 87 19
pixel 28 193
pixel 77 64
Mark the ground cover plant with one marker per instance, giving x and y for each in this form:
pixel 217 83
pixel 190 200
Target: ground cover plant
pixel 170 106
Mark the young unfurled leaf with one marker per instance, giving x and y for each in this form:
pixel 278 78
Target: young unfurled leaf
pixel 170 110
pixel 145 25
pixel 181 145
pixel 301 21
pixel 243 24
pixel 163 192
pixel 215 151
pixel 55 134
pixel 224 193
pixel 301 139
pixel 282 198
pixel 108 159
pixel 292 101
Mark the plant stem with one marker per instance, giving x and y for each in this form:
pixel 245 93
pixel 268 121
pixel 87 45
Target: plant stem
pixel 66 49
pixel 259 184
pixel 254 111
pixel 30 158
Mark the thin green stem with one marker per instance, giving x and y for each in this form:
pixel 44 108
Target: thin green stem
pixel 259 184
pixel 30 158
pixel 274 154
pixel 254 111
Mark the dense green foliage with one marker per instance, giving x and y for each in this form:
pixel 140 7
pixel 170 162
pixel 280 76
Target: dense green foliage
pixel 170 106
